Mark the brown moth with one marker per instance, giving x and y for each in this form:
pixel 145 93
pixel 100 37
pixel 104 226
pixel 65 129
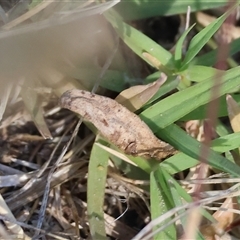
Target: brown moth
pixel 117 124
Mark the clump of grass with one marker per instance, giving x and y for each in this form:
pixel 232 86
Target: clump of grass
pixel 73 183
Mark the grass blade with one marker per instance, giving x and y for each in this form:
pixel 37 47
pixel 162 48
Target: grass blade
pixel 179 45
pixel 191 147
pixel 210 58
pixel 178 194
pixel 198 73
pixel 199 40
pixel 181 103
pixel 161 202
pixel 199 113
pixel 97 173
pixel 140 43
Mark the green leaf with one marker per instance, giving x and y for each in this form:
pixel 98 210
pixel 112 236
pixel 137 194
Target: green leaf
pixel 161 202
pixel 178 193
pixel 181 161
pixel 226 143
pixel 200 112
pixel 203 37
pixel 165 194
pixel 97 173
pixel 179 45
pixel 197 73
pixel 210 58
pixel 140 43
pixel 152 77
pixel 178 163
pixel 181 103
pixel 191 147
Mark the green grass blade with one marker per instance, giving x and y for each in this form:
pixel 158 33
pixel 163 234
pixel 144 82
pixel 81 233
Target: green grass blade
pixel 97 173
pixel 197 73
pixel 178 163
pixel 200 39
pixel 178 193
pixel 152 77
pixel 161 202
pixel 166 194
pixel 200 112
pixel 226 143
pixel 210 58
pixel 179 45
pixel 138 42
pixel 177 199
pixel 181 103
pixel 191 147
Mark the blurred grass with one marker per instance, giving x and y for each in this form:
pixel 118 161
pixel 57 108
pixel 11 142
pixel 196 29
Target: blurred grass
pixel 139 9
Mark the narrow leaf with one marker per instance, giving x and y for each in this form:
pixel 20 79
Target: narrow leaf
pixel 181 103
pixel 210 58
pixel 200 112
pixel 203 37
pixel 161 202
pixel 191 147
pixel 97 173
pixel 138 42
pixel 179 45
pixel 178 194
pixel 197 73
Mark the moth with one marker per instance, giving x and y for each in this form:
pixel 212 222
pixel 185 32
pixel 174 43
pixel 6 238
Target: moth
pixel 117 124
